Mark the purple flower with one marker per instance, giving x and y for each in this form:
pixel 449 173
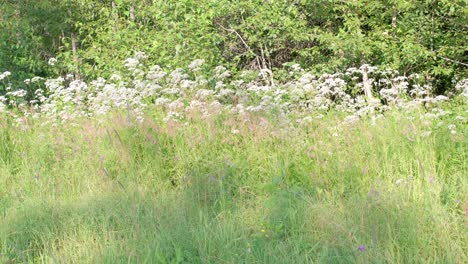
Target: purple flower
pixel 374 193
pixel 361 248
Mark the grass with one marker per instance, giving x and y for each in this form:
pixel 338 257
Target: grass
pixel 200 192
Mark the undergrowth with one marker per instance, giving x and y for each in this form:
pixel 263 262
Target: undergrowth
pixel 234 189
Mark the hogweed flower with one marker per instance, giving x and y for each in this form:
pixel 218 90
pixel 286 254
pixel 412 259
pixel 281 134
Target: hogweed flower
pixel 137 87
pixel 52 61
pixel 196 65
pixel 4 75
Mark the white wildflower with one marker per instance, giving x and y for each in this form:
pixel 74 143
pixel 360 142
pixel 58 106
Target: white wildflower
pixel 4 75
pixel 52 61
pixel 196 65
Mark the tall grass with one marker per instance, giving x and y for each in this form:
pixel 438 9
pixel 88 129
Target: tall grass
pixel 231 189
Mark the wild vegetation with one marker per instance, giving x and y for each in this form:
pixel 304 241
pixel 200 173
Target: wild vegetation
pixel 92 38
pixel 221 132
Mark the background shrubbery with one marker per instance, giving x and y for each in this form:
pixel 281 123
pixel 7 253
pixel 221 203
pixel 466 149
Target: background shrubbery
pixel 91 38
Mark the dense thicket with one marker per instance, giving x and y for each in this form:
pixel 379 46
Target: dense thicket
pixel 91 38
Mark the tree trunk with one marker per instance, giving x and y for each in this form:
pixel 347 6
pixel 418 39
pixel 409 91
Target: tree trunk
pixel 115 16
pixel 18 21
pixel 75 56
pixel 132 13
pixel 367 86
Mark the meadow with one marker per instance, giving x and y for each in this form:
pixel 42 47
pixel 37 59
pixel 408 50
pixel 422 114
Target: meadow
pixel 155 167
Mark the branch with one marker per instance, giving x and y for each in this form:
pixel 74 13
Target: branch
pixel 454 61
pixel 238 35
pixel 243 42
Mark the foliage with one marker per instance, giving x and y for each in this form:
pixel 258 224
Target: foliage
pixel 324 36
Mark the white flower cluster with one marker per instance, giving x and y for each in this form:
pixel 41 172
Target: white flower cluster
pixel 4 75
pixel 461 87
pixel 363 91
pixel 52 61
